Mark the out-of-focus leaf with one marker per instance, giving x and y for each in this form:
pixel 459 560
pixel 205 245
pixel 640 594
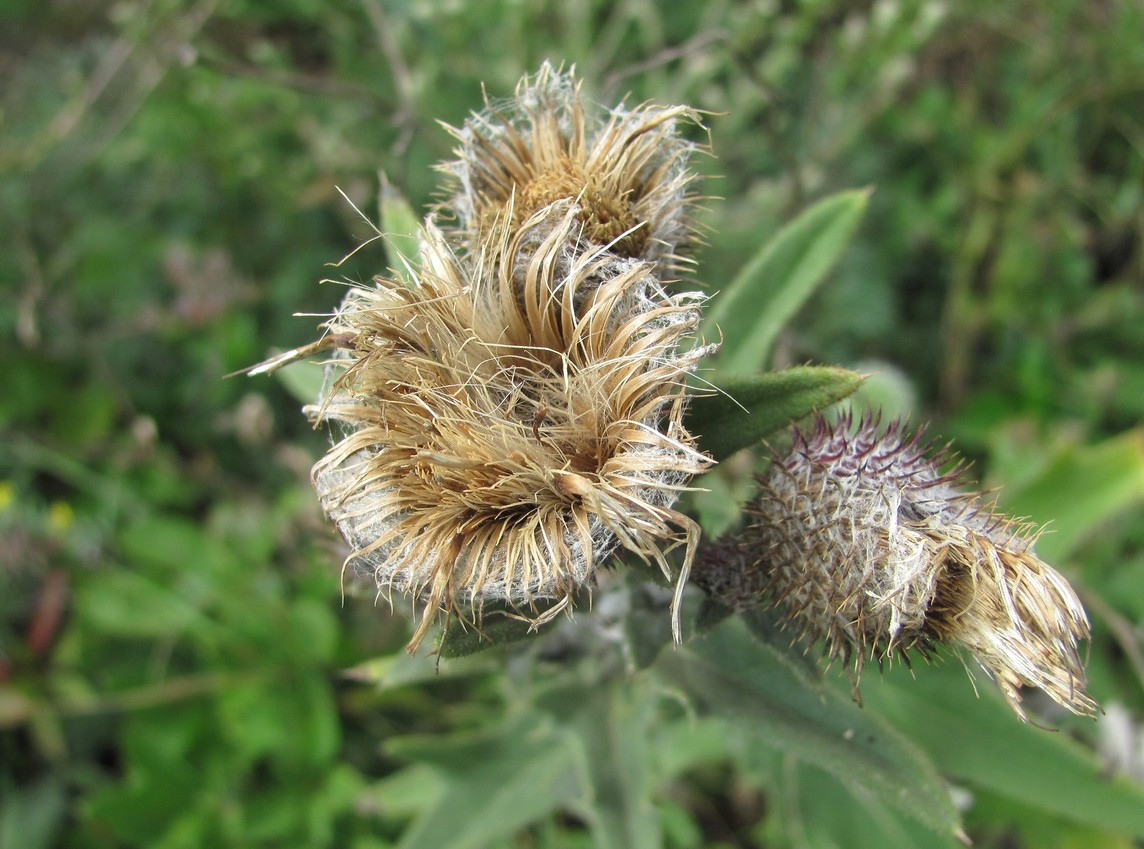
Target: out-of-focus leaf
pixel 401 668
pixel 408 791
pixel 730 674
pixel 647 624
pixel 400 226
pixel 495 783
pixel 687 743
pixel 613 730
pixel 1080 489
pixel 980 742
pixel 303 379
pixel 746 410
pixel 143 811
pixel 779 279
pixel 831 814
pixel 127 603
pixel 719 496
pixel 32 814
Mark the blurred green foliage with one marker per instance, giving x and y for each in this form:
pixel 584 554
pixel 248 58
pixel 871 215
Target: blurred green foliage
pixel 178 666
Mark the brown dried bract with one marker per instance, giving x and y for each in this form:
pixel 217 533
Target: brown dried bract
pixel 445 484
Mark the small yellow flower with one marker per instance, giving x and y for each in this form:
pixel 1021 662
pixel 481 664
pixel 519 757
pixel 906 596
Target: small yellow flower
pixel 502 438
pixel 625 168
pixel 861 541
pixel 60 516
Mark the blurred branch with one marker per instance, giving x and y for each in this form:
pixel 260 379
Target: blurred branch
pixel 16 708
pixel 657 60
pixel 1122 630
pixel 406 115
pixel 27 323
pixel 115 62
pixel 769 124
pixel 298 80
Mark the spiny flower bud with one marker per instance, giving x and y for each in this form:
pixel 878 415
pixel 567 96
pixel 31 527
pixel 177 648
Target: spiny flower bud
pixel 623 168
pixel 502 436
pixel 862 541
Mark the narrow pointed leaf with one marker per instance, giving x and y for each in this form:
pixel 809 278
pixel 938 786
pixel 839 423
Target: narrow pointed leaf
pixel 494 784
pixel 779 279
pixel 400 226
pixel 747 410
pixel 1080 489
pixel 303 379
pixel 977 741
pixel 730 674
pixel 499 626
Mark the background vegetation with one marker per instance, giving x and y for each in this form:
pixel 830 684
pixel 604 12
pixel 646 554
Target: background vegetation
pixel 178 667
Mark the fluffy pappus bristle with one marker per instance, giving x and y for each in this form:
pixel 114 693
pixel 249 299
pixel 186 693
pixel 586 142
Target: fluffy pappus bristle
pixel 624 168
pixel 505 433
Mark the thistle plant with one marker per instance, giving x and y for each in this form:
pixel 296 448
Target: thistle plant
pixel 518 408
pixel 862 541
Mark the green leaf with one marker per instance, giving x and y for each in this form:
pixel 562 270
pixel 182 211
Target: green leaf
pixel 32 814
pixel 832 814
pixel 498 627
pixel 613 732
pixel 461 640
pixel 494 783
pixel 730 674
pixel 647 625
pixel 303 379
pixel 129 604
pixel 400 226
pixel 718 497
pixel 747 410
pixel 779 279
pixel 1080 489
pixel 980 742
pixel 406 792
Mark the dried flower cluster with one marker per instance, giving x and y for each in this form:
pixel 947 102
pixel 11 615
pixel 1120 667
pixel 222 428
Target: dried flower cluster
pixel 624 168
pixel 514 414
pixel 861 541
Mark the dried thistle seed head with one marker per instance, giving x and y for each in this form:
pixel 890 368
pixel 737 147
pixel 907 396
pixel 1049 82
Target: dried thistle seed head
pixel 625 168
pixel 863 542
pixel 501 439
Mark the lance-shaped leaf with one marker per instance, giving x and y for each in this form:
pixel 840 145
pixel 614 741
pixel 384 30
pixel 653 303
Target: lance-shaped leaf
pixel 746 410
pixel 730 674
pixel 400 226
pixel 1081 488
pixel 493 784
pixel 497 625
pixel 303 379
pixel 779 279
pixel 975 741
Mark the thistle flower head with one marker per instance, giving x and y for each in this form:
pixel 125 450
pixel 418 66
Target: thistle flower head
pixel 623 168
pixel 863 542
pixel 505 433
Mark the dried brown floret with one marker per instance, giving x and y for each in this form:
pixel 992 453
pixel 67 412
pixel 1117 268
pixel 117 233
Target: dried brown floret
pixel 623 168
pixel 504 433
